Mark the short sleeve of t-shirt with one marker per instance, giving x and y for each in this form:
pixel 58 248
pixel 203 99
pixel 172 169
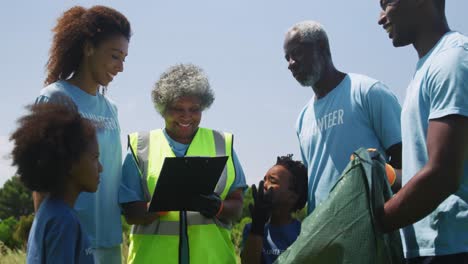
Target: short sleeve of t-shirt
pixel 239 181
pixel 447 83
pixel 130 189
pixel 61 240
pixel 56 97
pixel 56 236
pixel 384 112
pixel 298 126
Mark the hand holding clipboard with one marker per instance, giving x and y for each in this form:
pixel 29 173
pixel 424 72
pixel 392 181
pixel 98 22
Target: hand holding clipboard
pixel 184 180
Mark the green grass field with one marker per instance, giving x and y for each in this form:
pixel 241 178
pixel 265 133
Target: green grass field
pixel 12 257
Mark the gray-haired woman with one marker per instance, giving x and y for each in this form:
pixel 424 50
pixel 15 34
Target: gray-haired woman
pixel 180 96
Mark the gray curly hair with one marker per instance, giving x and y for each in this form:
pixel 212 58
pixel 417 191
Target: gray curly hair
pixel 178 81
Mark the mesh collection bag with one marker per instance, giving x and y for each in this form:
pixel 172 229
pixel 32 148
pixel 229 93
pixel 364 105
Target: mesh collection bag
pixel 343 229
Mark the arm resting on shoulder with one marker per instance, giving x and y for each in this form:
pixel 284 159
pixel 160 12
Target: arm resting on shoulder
pixel 447 147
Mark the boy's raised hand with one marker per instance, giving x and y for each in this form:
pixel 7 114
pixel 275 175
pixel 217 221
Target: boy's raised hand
pixel 260 210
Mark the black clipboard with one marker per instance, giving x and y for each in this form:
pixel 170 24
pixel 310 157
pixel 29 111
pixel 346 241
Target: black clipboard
pixel 183 179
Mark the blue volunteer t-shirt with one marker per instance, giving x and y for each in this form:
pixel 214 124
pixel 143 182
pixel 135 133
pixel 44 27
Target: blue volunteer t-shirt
pixel 99 212
pixel 276 240
pixel 439 88
pixel 56 236
pixel 131 188
pixel 359 112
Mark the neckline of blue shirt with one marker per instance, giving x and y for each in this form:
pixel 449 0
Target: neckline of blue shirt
pixel 333 91
pixel 175 146
pixel 422 60
pixel 78 91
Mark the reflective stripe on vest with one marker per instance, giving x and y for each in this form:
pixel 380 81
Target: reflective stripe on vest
pixel 139 142
pixel 168 228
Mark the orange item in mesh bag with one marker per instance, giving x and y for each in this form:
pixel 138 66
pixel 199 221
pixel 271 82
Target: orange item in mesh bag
pixel 389 170
pixel 391 175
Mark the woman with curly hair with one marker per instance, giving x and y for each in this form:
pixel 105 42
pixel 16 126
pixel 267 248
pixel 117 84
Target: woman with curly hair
pixel 56 151
pixel 88 50
pixel 180 96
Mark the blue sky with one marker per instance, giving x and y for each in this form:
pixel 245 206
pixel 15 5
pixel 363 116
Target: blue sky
pixel 238 43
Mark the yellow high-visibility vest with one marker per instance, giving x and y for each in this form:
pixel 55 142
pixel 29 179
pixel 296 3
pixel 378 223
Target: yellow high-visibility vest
pixel 209 239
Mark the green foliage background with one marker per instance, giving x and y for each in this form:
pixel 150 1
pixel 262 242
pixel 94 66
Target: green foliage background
pixel 16 217
pixel 16 208
pixel 15 199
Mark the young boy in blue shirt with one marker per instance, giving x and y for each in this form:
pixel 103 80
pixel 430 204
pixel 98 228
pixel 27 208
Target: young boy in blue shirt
pixel 56 151
pixel 273 229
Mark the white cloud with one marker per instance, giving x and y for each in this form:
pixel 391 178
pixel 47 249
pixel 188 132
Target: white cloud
pixel 6 170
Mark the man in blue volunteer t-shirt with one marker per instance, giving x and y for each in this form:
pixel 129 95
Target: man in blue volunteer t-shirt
pixel 349 111
pixel 432 206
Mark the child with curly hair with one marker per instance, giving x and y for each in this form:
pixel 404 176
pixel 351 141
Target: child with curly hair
pixel 282 191
pixel 56 151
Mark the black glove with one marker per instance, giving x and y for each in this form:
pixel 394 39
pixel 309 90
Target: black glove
pixel 209 205
pixel 260 211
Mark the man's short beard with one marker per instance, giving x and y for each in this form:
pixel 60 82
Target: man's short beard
pixel 310 81
pixel 317 70
pixel 313 77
